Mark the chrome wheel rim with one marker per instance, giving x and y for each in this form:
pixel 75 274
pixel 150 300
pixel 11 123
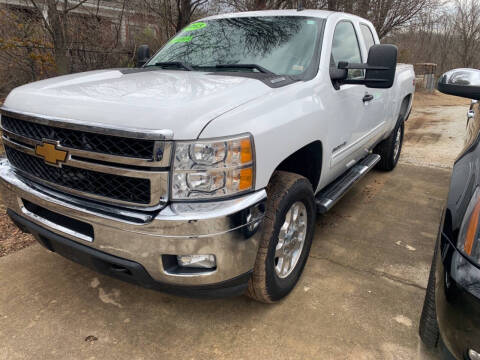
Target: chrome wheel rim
pixel 398 140
pixel 291 239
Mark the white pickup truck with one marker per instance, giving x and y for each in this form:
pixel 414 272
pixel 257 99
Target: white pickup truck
pixel 201 171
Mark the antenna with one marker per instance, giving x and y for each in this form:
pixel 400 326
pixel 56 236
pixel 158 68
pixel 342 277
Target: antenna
pixel 300 5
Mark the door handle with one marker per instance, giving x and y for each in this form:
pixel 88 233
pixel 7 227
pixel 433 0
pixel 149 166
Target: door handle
pixel 367 97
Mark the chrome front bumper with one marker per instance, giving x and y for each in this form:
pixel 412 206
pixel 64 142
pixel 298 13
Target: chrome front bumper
pixel 229 229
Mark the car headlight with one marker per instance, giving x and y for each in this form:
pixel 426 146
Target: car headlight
pixel 206 169
pixel 468 240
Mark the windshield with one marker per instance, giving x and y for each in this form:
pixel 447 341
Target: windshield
pixel 279 44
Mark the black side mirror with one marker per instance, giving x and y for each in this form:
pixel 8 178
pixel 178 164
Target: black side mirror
pixel 461 82
pixel 143 54
pixel 382 64
pixel 338 74
pixel 379 69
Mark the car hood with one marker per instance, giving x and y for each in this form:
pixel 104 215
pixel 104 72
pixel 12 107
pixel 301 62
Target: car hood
pixel 180 101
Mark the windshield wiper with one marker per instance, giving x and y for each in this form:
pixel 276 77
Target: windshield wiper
pixel 174 64
pixel 245 66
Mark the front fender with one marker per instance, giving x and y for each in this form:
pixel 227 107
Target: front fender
pixel 281 123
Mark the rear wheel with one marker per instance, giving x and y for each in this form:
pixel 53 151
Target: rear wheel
pixel 286 237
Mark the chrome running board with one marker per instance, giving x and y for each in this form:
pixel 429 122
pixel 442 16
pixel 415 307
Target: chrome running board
pixel 329 196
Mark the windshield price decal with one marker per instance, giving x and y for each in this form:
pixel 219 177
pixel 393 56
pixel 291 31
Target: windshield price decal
pixel 181 39
pixel 195 26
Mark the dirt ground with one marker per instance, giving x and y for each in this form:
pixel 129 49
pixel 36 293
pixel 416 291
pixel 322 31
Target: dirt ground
pixel 436 98
pixel 360 296
pixel 11 238
pixel 431 137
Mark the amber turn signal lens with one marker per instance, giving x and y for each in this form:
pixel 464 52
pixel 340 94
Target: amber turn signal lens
pixel 472 230
pixel 246 179
pixel 245 151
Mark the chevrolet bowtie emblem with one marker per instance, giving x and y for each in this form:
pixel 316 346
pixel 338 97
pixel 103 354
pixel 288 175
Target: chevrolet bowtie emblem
pixel 50 153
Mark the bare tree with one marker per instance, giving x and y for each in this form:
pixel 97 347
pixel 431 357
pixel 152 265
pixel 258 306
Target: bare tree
pixel 363 7
pixel 467 26
pixel 391 15
pixel 176 13
pixel 78 35
pixel 55 19
pixel 332 5
pixel 24 53
pixel 386 15
pixel 250 5
pixel 76 30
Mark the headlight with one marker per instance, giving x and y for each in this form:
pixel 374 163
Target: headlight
pixel 469 242
pixel 213 168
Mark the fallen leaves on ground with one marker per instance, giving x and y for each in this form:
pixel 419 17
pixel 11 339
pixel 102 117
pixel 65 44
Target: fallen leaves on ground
pixel 11 237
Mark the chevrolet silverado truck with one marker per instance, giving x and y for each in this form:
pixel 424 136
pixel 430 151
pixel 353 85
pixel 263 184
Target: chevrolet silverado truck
pixel 201 171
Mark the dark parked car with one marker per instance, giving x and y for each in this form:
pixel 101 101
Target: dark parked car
pixel 451 312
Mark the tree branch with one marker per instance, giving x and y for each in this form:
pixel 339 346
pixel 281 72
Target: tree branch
pixel 80 3
pixel 44 19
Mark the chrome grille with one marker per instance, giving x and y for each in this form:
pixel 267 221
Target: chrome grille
pixel 106 185
pixel 112 145
pixel 114 166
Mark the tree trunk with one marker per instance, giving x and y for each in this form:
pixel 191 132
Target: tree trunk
pixel 184 11
pixel 348 6
pixel 62 61
pixel 260 5
pixel 363 8
pixel 332 5
pixel 58 27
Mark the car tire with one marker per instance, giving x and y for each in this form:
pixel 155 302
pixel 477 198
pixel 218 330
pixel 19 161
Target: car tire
pixel 282 254
pixel 428 328
pixel 390 148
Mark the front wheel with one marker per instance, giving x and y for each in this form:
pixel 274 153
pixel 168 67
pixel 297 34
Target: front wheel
pixel 390 148
pixel 286 237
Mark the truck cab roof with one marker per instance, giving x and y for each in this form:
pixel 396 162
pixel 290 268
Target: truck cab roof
pixel 322 14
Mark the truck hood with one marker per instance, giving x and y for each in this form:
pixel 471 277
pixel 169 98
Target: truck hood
pixel 181 101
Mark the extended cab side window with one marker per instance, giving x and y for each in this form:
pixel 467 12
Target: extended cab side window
pixel 367 36
pixel 345 47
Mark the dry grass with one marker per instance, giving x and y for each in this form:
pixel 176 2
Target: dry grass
pixel 438 99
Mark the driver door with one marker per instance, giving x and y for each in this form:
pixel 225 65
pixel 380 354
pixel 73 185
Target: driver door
pixel 349 129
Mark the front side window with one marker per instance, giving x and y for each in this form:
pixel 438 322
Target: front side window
pixel 367 36
pixel 345 47
pixel 284 45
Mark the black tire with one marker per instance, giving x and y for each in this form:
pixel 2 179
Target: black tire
pixel 386 149
pixel 284 190
pixel 428 328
